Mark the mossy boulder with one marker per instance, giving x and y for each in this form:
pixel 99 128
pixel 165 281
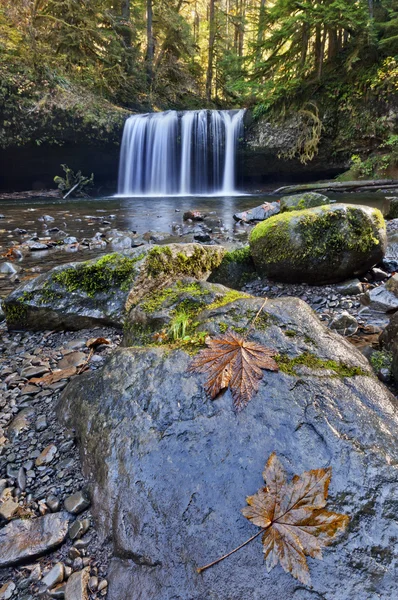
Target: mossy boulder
pixel 170 468
pixel 319 245
pixel 236 269
pixel 102 290
pixel 303 201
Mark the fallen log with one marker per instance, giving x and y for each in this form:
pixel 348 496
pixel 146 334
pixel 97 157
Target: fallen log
pixel 338 186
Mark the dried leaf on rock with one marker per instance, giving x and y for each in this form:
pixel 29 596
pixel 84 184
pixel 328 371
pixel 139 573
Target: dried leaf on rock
pixel 232 361
pixel 95 342
pixel 294 518
pixel 55 376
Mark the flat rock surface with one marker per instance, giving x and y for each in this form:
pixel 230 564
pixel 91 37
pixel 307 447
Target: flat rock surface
pixel 27 538
pixel 172 469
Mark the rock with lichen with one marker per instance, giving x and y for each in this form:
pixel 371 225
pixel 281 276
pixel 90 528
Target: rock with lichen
pixel 326 244
pixel 103 290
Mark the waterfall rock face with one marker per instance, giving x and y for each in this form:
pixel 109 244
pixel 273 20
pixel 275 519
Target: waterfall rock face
pixel 175 153
pixel 171 469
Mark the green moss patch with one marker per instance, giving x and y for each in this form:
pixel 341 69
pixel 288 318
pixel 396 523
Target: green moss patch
pixel 162 260
pixel 229 297
pixel 172 294
pixel 289 365
pixel 110 271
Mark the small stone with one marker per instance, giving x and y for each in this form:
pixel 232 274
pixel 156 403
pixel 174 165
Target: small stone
pixel 73 359
pixel 392 285
pixel 7 590
pixel 56 575
pixel 53 503
pixel 73 553
pixel 77 563
pixel 41 423
pixel 76 587
pixel 21 479
pixel 76 503
pixel 8 509
pixel 70 240
pixel 93 584
pixel 27 538
pixel 30 372
pixel 102 585
pixel 352 287
pixel 78 528
pixel 46 456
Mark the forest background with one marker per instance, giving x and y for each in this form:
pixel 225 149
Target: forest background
pixel 318 58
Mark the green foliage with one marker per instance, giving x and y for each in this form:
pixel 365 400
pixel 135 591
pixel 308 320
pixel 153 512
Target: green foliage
pixel 74 183
pixel 381 360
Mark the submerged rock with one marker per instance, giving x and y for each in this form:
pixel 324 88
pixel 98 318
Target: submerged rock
pixel 99 291
pixel 319 245
pixel 171 469
pixel 259 213
pixel 303 201
pixel 24 539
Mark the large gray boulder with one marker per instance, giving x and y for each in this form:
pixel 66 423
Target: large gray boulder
pixel 319 245
pixel 102 290
pixel 171 469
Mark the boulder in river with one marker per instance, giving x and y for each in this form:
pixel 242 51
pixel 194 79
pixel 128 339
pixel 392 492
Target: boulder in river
pixel 259 213
pixel 303 201
pixel 171 469
pixel 101 291
pixel 319 245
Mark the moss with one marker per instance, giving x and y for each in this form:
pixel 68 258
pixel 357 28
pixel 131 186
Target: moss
pixel 322 232
pixel 155 301
pixel 290 333
pixel 15 313
pixel 288 365
pixel 241 255
pixel 161 260
pixel 110 271
pixel 223 327
pixel 229 297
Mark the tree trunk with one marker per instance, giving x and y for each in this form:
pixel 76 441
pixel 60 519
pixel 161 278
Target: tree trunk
pixel 320 40
pixel 260 30
pixel 150 41
pixel 125 9
pixel 212 37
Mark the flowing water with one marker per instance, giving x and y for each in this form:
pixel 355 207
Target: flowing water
pixel 180 153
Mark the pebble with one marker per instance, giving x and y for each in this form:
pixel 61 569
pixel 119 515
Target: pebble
pixel 78 502
pixel 7 590
pixel 54 576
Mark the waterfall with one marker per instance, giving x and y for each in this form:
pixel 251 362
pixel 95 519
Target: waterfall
pixel 172 153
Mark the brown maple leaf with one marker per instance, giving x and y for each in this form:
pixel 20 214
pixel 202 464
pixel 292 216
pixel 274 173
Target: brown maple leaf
pixel 231 361
pixel 293 518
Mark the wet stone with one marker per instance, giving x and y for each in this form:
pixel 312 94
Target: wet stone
pixel 78 502
pixel 46 456
pixel 28 538
pixel 7 590
pixel 54 576
pixel 76 587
